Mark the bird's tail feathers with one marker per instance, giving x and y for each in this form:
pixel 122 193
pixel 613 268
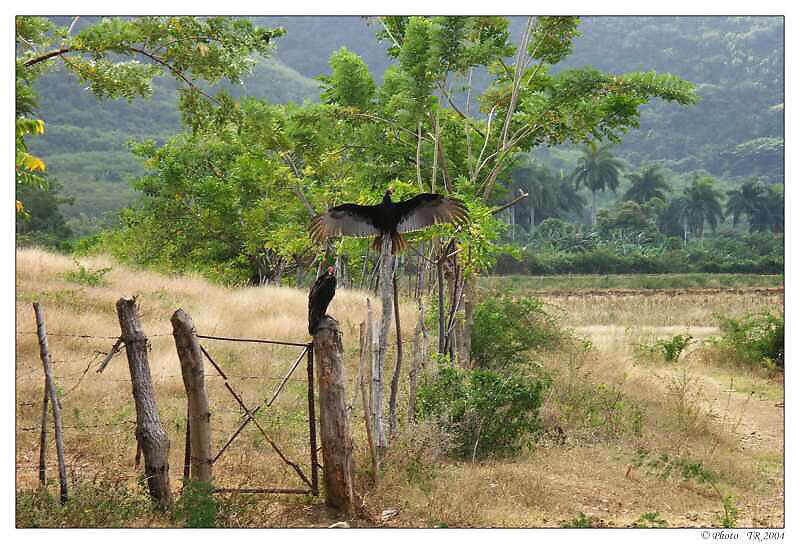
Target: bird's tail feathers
pixel 399 243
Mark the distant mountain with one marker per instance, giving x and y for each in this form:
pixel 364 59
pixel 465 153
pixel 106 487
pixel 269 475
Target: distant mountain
pixel 736 130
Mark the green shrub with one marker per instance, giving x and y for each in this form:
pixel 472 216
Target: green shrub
pixel 506 327
pixel 485 412
pixel 649 520
pixel 754 338
pixel 582 521
pixel 87 276
pixel 197 506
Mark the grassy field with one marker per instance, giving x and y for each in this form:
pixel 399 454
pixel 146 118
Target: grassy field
pixel 629 426
pixel 632 281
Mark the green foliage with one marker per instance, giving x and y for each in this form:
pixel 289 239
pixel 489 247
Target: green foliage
pixel 87 276
pixel 665 466
pixel 672 348
pixel 754 339
pixel 581 521
pixel 650 520
pixel 42 223
pixel 197 506
pixel 350 83
pixel 507 327
pixel 119 57
pixel 485 412
pixel 93 503
pixel 560 248
pixel 729 512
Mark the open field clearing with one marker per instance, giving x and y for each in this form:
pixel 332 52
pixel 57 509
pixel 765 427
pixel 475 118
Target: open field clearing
pixel 711 282
pixel 618 430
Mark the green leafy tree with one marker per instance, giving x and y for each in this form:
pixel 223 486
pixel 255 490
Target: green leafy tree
pixel 762 205
pixel 745 201
pixel 597 170
pixel 119 57
pixel 647 184
pixel 549 195
pixel 701 206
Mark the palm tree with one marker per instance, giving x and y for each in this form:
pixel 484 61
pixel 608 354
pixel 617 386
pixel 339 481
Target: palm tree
pixel 598 170
pixel 549 195
pixel 702 205
pixel 770 210
pixel 646 184
pixel 747 200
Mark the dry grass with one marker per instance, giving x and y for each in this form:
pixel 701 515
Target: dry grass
pixel 98 408
pixel 687 410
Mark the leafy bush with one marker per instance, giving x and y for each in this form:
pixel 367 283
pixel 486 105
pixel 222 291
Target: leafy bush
pixel 506 327
pixel 649 520
pixel 485 412
pixel 87 276
pixel 197 506
pixel 754 338
pixel 669 350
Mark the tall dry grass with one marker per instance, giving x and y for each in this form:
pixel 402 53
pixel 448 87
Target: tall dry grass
pixel 588 471
pixel 98 409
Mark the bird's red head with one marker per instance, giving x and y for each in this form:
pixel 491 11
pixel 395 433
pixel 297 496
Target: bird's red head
pixel 330 270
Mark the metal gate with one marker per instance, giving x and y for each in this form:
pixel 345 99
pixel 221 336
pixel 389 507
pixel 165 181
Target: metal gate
pixel 311 481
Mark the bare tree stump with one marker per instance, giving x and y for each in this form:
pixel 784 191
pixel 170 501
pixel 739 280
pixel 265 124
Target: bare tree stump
pixel 149 432
pixel 337 444
pixel 50 385
pixel 198 422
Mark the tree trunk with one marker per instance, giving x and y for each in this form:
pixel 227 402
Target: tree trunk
pixel 149 432
pixel 416 360
pixel 469 319
pixel 198 423
pixel 365 338
pixel 387 308
pixel 594 208
pixel 398 362
pixel 337 444
pixel 50 385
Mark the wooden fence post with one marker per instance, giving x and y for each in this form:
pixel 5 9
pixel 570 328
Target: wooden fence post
pixel 43 438
pixel 337 444
pixel 50 385
pixel 149 432
pixel 198 420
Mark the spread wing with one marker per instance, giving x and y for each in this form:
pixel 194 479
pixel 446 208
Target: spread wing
pixel 344 220
pixel 428 209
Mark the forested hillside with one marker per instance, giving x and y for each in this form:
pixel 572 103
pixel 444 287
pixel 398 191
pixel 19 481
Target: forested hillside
pixel 734 131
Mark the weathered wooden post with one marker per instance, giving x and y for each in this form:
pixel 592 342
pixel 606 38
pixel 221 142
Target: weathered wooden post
pixel 337 444
pixel 387 309
pixel 149 432
pixel 50 386
pixel 198 421
pixel 43 439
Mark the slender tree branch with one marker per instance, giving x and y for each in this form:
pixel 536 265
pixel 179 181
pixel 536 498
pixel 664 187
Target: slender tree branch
pixel 514 202
pixel 48 56
pixel 287 157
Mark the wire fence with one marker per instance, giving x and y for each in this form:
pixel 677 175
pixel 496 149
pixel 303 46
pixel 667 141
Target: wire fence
pixel 73 378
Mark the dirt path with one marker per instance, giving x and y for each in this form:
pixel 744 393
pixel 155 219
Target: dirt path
pixel 757 420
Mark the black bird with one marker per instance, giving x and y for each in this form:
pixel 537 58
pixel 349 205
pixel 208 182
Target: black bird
pixel 389 217
pixel 319 297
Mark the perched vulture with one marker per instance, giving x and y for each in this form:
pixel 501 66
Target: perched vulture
pixel 319 297
pixel 388 217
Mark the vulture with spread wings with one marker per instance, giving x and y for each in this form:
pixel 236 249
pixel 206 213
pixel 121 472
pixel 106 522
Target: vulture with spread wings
pixel 394 218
